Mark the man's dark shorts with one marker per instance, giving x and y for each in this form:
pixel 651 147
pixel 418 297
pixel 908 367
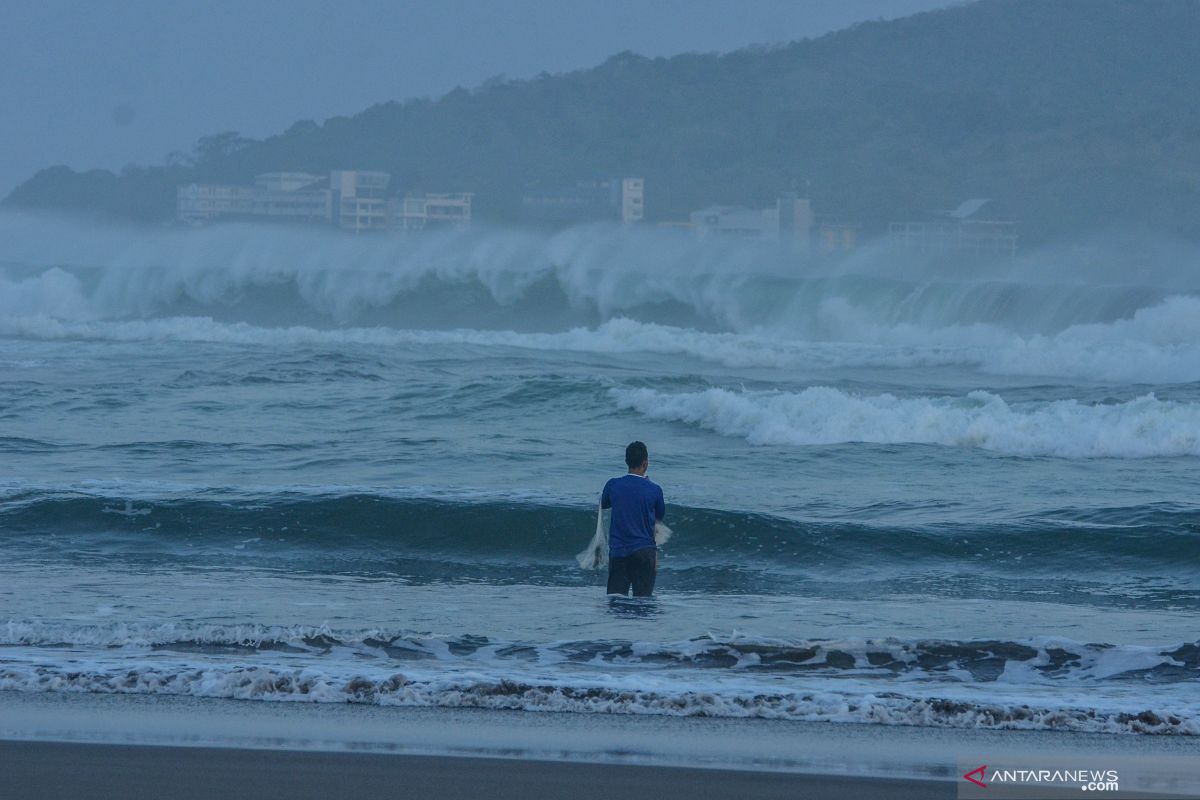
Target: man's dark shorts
pixel 636 569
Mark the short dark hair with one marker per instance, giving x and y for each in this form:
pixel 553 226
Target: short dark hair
pixel 636 455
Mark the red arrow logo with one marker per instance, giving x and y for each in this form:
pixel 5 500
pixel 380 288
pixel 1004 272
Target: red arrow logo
pixel 977 771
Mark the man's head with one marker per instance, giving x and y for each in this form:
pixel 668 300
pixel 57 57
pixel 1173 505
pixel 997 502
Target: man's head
pixel 637 458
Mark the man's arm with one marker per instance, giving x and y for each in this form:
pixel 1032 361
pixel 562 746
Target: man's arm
pixel 605 499
pixel 660 507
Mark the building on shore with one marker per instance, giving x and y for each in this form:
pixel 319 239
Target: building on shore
pixel 604 199
pixel 293 197
pixel 831 236
pixel 795 216
pixel 359 201
pixel 735 221
pixel 419 212
pixel 352 200
pixel 198 203
pixel 974 230
pixel 790 219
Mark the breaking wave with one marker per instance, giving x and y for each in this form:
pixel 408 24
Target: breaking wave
pixel 1140 428
pixel 594 289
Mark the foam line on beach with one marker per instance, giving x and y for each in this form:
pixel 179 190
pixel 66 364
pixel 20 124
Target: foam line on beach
pixel 936 707
pixel 1044 660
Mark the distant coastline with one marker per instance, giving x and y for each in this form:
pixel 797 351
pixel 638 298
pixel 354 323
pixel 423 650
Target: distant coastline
pixel 880 122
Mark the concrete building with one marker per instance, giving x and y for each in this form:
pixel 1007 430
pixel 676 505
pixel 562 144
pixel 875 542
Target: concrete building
pixel 422 211
pixel 198 203
pixel 616 199
pixel 353 200
pixel 973 230
pixel 293 197
pixel 358 200
pixel 790 220
pixel 633 200
pixel 736 221
pixel 277 196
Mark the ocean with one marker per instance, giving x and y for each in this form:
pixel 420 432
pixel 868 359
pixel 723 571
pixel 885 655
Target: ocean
pixel 280 465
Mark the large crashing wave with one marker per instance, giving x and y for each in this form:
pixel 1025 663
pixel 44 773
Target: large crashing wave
pixel 601 289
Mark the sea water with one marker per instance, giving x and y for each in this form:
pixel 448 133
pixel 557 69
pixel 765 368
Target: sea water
pixel 280 465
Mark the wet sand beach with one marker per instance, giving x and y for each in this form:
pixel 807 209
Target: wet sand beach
pixel 67 771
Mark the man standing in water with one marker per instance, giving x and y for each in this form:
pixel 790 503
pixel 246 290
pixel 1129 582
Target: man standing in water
pixel 636 503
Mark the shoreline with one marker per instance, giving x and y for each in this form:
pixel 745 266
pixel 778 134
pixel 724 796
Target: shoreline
pixel 848 751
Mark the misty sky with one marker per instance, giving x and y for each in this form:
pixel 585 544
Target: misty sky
pixel 108 82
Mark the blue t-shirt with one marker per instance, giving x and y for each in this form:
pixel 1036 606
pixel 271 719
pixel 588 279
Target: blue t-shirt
pixel 636 503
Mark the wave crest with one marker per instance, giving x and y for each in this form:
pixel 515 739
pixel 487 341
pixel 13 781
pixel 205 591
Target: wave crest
pixel 736 303
pixel 1140 428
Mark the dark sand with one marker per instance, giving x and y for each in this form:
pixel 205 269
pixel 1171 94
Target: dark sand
pixel 68 771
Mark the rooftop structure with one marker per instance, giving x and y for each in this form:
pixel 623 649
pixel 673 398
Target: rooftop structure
pixel 289 181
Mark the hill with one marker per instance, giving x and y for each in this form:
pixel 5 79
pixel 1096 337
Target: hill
pixel 1076 114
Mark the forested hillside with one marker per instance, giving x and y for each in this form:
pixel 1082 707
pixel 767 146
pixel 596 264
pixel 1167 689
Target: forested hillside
pixel 1076 114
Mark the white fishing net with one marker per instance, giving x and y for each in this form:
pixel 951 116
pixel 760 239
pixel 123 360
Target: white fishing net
pixel 595 556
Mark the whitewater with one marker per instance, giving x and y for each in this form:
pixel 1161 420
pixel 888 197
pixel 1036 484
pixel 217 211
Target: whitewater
pixel 280 465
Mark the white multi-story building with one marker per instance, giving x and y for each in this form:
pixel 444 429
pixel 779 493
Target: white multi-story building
pixel 586 201
pixel 418 212
pixel 293 197
pixel 358 199
pixel 633 195
pixel 353 200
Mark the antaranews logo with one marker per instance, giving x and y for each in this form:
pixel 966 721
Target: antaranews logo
pixel 1088 780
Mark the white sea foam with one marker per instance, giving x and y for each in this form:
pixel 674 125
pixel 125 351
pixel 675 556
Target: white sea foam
pixel 1047 683
pixel 136 272
pixel 414 688
pixel 1045 660
pixel 1143 427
